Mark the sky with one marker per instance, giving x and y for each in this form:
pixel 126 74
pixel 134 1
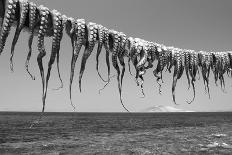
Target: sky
pixel 198 25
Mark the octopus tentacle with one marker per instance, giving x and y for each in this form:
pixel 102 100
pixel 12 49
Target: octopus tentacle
pixel 177 63
pixel 187 59
pixel 58 68
pixel 137 53
pixel 69 24
pixel 193 72
pixel 56 38
pixel 92 39
pixel 79 38
pixel 139 74
pixel 159 67
pixel 143 55
pixel 107 58
pixel 121 54
pixel 63 21
pixel 99 49
pixel 178 69
pixel 33 14
pixel 9 17
pixel 130 48
pixel 70 30
pixel 204 58
pixel 223 67
pixel 114 44
pixel 23 11
pixel 44 14
pixel 216 65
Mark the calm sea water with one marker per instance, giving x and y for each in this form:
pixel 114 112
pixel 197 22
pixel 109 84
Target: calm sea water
pixel 116 133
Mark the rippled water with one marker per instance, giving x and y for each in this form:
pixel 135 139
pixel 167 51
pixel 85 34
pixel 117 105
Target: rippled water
pixel 116 133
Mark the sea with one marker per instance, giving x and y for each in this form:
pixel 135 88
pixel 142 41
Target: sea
pixel 115 133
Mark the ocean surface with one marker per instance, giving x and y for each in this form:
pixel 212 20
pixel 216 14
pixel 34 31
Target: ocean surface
pixel 116 133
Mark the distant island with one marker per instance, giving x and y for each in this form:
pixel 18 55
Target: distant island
pixel 162 108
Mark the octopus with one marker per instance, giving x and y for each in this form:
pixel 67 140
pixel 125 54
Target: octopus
pixel 178 70
pixel 101 39
pixel 56 39
pixel 92 29
pixel 33 21
pixel 205 60
pixel 43 28
pixel 193 69
pixel 121 54
pixel 9 18
pixel 23 12
pixel 114 45
pixel 41 22
pixel 78 33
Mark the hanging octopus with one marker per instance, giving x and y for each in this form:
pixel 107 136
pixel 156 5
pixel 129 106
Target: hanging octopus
pixel 130 46
pixel 140 67
pixel 138 48
pixel 43 28
pixel 56 38
pixel 103 33
pixel 114 46
pixel 106 46
pixel 23 12
pixel 122 54
pixel 224 67
pixel 101 38
pixel 187 61
pixel 9 18
pixel 204 62
pixel 193 68
pixel 79 37
pixel 33 21
pixel 216 66
pixel 92 29
pixel 229 69
pixel 178 70
pixel 162 54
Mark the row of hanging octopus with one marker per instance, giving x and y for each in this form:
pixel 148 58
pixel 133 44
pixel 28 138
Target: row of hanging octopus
pixel 142 54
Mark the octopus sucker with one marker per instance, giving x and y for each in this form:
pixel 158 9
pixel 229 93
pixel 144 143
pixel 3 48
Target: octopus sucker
pixel 44 14
pixel 33 21
pixel 56 38
pixel 9 17
pixel 92 39
pixel 23 12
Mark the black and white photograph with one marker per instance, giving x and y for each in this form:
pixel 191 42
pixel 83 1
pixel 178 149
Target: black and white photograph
pixel 115 77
